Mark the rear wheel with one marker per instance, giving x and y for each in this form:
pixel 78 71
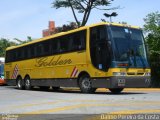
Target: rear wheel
pixel 27 83
pixel 116 90
pixel 86 85
pixel 20 83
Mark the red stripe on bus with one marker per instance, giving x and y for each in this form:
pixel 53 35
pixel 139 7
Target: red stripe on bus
pixel 73 71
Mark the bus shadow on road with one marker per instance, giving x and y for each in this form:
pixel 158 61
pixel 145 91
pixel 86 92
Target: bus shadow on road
pixel 72 91
pixel 77 91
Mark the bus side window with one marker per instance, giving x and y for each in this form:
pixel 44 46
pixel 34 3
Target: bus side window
pixel 10 56
pixel 46 48
pixel 64 44
pixel 39 49
pixel 26 52
pixel 54 46
pixel 32 51
pixel 78 41
pixel 14 54
pixel 83 39
pixel 20 54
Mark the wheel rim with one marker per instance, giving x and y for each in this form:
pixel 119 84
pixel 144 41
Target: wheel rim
pixel 86 83
pixel 19 84
pixel 27 83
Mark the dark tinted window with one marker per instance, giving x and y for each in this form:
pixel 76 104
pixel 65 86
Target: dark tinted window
pixel 39 49
pixel 54 46
pixel 67 43
pixel 78 40
pixel 100 48
pixel 46 48
pixel 26 52
pixel 32 52
pixel 20 53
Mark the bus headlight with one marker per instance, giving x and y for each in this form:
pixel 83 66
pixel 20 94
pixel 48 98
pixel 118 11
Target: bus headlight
pixel 119 74
pixel 147 74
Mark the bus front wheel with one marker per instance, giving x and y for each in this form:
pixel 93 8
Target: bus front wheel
pixel 116 90
pixel 86 85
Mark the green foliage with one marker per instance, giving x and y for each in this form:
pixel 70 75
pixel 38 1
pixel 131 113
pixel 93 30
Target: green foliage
pixel 29 39
pixel 152 22
pixel 83 6
pixel 4 43
pixel 152 29
pixel 66 27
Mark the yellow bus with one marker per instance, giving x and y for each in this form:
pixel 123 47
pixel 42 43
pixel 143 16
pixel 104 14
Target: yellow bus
pixel 103 55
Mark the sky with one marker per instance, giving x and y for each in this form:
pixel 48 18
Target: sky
pixel 22 18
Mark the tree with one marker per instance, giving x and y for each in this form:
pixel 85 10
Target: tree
pixel 152 30
pixel 66 27
pixel 29 39
pixel 84 7
pixel 4 43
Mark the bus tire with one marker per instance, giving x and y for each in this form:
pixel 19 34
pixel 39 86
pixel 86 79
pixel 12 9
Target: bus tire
pixel 86 85
pixel 27 84
pixel 20 83
pixel 116 90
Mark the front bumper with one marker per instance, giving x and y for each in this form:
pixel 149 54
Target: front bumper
pixel 122 82
pixel 130 82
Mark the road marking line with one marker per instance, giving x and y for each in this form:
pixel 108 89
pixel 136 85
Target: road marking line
pixel 30 105
pixel 67 108
pixel 76 100
pixel 80 106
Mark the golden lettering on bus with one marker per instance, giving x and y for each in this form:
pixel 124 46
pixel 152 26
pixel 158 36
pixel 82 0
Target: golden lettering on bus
pixel 45 61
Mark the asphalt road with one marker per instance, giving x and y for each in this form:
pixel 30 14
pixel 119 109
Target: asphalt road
pixel 71 104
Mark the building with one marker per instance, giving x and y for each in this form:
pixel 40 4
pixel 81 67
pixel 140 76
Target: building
pixel 51 29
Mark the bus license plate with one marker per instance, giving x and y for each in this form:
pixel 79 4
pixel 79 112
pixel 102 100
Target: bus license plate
pixel 121 82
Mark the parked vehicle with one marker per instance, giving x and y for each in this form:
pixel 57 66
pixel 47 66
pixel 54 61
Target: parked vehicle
pixel 104 55
pixel 2 81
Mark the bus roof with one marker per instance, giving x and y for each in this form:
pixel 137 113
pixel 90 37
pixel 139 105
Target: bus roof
pixel 71 31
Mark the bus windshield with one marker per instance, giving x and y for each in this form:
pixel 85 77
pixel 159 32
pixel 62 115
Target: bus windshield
pixel 128 46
